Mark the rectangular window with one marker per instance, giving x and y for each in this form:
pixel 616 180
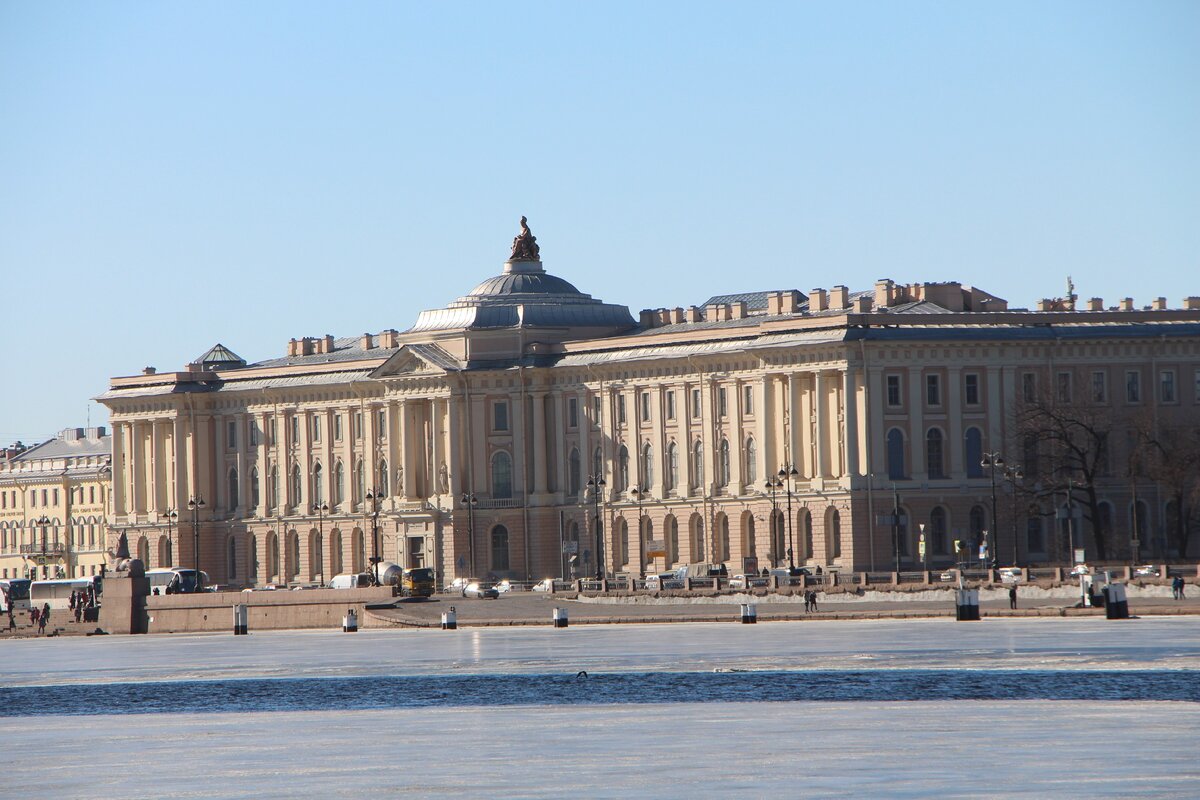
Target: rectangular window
pixel 500 415
pixel 722 402
pixel 1099 386
pixel 295 430
pixel 698 406
pixel 671 404
pixel 1133 386
pixel 1064 387
pixel 253 433
pixel 572 412
pixel 316 429
pixel 1166 386
pixel 33 498
pixel 381 424
pixel 56 497
pixel 933 390
pixel 91 494
pixel 621 409
pixel 748 401
pixel 597 410
pixel 893 391
pixel 645 406
pixel 45 500
pixel 1029 387
pixel 337 427
pixel 231 435
pixel 972 388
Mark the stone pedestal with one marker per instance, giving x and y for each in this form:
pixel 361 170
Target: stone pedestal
pixel 123 603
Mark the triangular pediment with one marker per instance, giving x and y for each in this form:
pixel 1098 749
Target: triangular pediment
pixel 416 360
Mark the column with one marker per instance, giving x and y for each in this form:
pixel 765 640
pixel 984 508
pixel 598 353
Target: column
pixel 540 452
pixel 916 422
pixel 877 443
pixel 409 491
pixel 954 421
pixel 156 485
pixel 520 451
pixel 804 456
pixel 737 441
pixel 437 424
pixel 264 467
pixel 995 408
pixel 764 416
pixel 659 438
pixel 119 470
pixel 561 480
pixel 850 412
pixel 457 461
pixel 821 438
pixel 138 456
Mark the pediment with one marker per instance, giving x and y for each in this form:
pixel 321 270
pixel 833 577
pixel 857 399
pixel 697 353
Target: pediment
pixel 415 360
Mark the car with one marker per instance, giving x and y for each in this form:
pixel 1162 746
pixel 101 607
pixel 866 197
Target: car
pixel 1147 571
pixel 544 585
pixel 1081 569
pixel 663 580
pixel 1011 575
pixel 741 581
pixel 474 589
pixel 948 576
pixel 458 584
pixel 505 586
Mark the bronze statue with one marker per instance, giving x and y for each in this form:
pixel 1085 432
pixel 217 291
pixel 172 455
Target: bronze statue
pixel 525 247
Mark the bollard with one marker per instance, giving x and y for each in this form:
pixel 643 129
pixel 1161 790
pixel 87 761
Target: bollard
pixel 350 622
pixel 749 614
pixel 1117 606
pixel 450 620
pixel 966 604
pixel 560 617
pixel 240 618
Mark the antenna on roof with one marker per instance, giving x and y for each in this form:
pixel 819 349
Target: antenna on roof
pixel 1071 296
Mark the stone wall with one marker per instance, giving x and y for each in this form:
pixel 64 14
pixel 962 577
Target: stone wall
pixel 279 610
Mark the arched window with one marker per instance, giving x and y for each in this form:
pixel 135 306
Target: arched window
pixel 360 482
pixel 806 530
pixel 231 566
pixel 723 463
pixel 620 542
pixel 574 476
pixel 502 485
pixel 778 544
pixel 318 487
pixel 647 477
pixel 672 476
pixel 751 462
pixel 622 469
pixel 749 546
pixel 696 538
pixel 143 549
pixel 316 556
pixel 294 556
pixel 272 557
pixel 252 558
pixel 722 546
pixel 937 531
pixel 833 534
pixel 977 520
pixel 973 452
pixel 339 484
pixel 597 462
pixel 895 454
pixel 233 489
pixel 645 534
pixel 933 454
pixel 164 551
pixel 358 550
pixel 255 489
pixel 671 534
pixel 335 554
pixel 698 465
pixel 273 488
pixel 384 487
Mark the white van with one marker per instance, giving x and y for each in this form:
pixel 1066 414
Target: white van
pixel 350 581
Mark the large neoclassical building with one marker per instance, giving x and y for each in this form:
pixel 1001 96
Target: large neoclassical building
pixel 529 429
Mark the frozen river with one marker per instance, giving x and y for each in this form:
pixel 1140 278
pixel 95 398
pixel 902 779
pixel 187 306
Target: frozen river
pixel 501 712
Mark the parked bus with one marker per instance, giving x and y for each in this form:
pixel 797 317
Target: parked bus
pixel 15 593
pixel 179 580
pixel 58 592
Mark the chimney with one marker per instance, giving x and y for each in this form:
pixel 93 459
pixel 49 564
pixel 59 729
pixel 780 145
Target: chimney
pixel 818 300
pixel 389 338
pixel 1045 305
pixel 738 309
pixel 306 346
pixel 677 315
pixel 646 318
pixel 1126 304
pixel 1095 304
pixel 694 314
pixel 1191 303
pixel 366 341
pixel 774 303
pixel 148 370
pixel 839 298
pixel 862 304
pixel 790 302
pixel 664 316
pixel 1159 304
pixel 327 344
pixel 883 292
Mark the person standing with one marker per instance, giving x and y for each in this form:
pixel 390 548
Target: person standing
pixel 1012 596
pixel 807 601
pixel 43 619
pixel 814 600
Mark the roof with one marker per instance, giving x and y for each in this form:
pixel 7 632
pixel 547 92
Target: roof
pixel 219 354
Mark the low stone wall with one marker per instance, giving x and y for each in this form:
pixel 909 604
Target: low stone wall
pixel 279 610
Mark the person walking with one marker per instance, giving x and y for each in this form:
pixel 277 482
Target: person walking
pixel 807 601
pixel 1012 596
pixel 34 613
pixel 12 623
pixel 43 619
pixel 814 600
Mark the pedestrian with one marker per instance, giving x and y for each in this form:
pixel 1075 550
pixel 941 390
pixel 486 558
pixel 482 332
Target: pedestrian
pixel 43 618
pixel 71 602
pixel 34 613
pixel 79 610
pixel 12 623
pixel 1012 596
pixel 814 600
pixel 1182 586
pixel 807 603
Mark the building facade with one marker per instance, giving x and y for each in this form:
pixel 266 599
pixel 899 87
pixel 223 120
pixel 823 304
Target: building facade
pixel 54 506
pixel 529 430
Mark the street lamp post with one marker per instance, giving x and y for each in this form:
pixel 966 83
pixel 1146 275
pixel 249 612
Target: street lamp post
pixel 374 497
pixel 194 505
pixel 788 472
pixel 1013 475
pixel 595 485
pixel 991 462
pixel 171 515
pixel 469 502
pixel 321 508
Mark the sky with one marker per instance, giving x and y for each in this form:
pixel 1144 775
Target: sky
pixel 174 175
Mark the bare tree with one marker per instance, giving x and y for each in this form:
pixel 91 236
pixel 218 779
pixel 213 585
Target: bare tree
pixel 1169 455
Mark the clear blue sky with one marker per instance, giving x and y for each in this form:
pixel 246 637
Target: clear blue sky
pixel 175 174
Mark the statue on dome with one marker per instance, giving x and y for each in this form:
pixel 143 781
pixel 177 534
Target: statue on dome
pixel 525 247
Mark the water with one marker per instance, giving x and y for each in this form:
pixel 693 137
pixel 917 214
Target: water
pixel 638 688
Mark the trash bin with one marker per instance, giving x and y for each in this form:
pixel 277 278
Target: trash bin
pixel 450 620
pixel 749 614
pixel 966 604
pixel 1116 605
pixel 240 619
pixel 560 617
pixel 350 621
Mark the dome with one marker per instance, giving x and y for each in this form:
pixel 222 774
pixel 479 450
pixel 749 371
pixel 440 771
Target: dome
pixel 523 283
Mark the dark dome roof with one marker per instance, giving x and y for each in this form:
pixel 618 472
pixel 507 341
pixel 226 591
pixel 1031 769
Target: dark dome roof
pixel 523 283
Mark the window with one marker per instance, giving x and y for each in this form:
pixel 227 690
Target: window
pixel 1099 386
pixel 574 473
pixel 500 548
pixel 971 385
pixel 833 533
pixel 647 476
pixel 722 402
pixel 500 415
pixel 698 466
pixel 748 401
pixel 295 430
pixel 751 462
pixel 597 410
pixel 255 491
pixel 381 424
pixel 1063 387
pixel 501 475
pixel 723 463
pixel 339 484
pixel 337 427
pixel 597 463
pixel 231 435
pixel 1166 386
pixel 973 451
pixel 45 502
pixel 318 489
pixel 672 476
pixel 360 482
pixel 697 405
pixel 933 390
pixel 622 475
pixel 893 390
pixel 671 404
pixel 233 489
pixel 933 454
pixel 572 412
pixel 937 531
pixel 297 485
pixel 273 488
pixel 1133 386
pixel 316 429
pixel 1028 387
pixel 356 425
pixel 254 438
pixel 1034 541
pixel 645 406
pixel 55 495
pixel 621 409
pixel 385 486
pixel 977 523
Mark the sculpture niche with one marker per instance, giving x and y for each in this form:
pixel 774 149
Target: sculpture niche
pixel 525 246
